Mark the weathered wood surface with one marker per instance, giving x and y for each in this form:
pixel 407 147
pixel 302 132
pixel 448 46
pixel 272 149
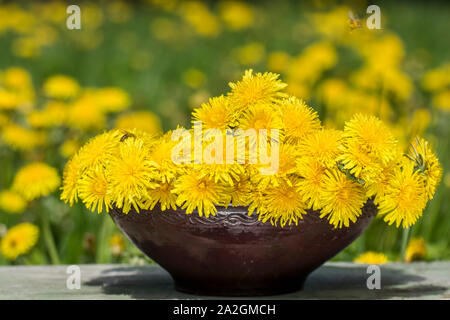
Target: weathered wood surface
pixel 331 281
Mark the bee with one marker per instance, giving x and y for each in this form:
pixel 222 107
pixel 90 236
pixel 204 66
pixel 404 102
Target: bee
pixel 353 21
pixel 126 136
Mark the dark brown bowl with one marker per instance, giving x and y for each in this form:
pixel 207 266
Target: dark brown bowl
pixel 233 254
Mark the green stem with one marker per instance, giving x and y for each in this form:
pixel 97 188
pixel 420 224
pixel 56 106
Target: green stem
pixel 405 239
pixel 102 254
pixel 48 237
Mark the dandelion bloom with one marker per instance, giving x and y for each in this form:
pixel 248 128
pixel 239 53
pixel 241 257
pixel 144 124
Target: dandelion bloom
pixel 217 113
pixel 197 192
pixel 256 88
pixel 141 120
pixel 12 202
pixel 371 257
pixel 36 180
pixel 416 250
pixel 19 240
pixel 341 198
pixel 405 197
pixel 61 87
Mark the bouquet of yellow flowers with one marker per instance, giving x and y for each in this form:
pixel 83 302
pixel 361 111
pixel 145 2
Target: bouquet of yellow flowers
pixel 259 148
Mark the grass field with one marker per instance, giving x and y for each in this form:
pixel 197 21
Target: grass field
pixel 168 57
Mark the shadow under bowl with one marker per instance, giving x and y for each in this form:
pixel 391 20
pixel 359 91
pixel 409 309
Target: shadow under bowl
pixel 233 254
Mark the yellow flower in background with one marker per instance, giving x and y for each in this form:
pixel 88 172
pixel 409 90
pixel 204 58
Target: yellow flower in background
pixel 217 113
pixel 36 180
pixel 404 198
pixel 69 147
pixel 119 11
pixel 12 202
pixel 416 250
pixel 442 100
pixel 250 54
pixel 61 87
pixel 298 119
pixel 116 244
pixel 237 15
pixel 140 120
pixel 21 138
pixel 19 240
pixel 341 199
pixel 371 257
pixel 198 15
pixel 8 100
pixel 256 88
pixel 437 79
pixel 112 99
pixel 17 79
pixel 85 113
pixel 194 78
pixel 197 192
pixel 278 61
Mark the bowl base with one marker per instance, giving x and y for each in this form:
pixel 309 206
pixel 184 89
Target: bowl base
pixel 214 289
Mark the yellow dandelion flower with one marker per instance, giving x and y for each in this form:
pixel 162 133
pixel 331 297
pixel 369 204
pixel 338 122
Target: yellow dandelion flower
pixel 9 100
pixel 341 199
pixel 161 157
pixel 218 113
pixel 93 189
pixel 282 204
pixel 131 174
pixel 312 173
pixel 12 202
pixel 162 194
pixel 261 117
pixel 36 180
pixel 427 164
pixel 378 187
pixel 404 198
pixel 71 175
pixel 279 167
pixel 416 250
pixel 17 78
pixel 322 145
pixel 86 114
pixel 298 119
pixel 98 150
pixel 199 193
pixel 359 162
pixel 61 87
pixel 237 15
pixel 256 88
pixel 112 99
pixel 23 139
pixel 116 244
pixel 19 240
pixel 69 148
pixel 241 191
pixel 141 120
pixel 372 134
pixel 194 78
pixel 371 257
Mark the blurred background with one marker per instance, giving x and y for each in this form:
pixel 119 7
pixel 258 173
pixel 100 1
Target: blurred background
pixel 147 64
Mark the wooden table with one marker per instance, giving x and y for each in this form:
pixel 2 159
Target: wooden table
pixel 331 281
